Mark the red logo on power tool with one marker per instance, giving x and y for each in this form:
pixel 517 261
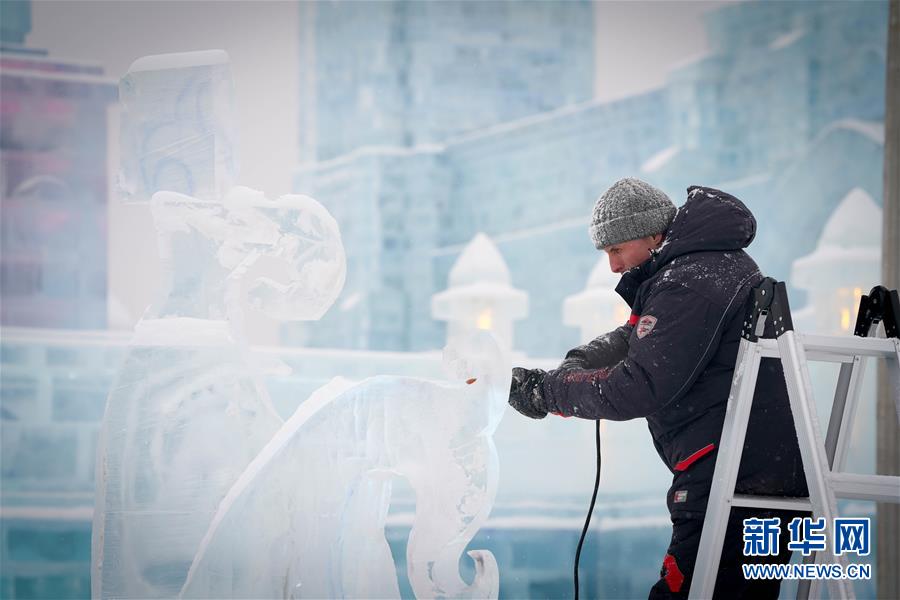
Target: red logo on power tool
pixel 645 325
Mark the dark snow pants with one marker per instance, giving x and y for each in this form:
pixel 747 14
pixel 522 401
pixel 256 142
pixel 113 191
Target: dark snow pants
pixel 678 564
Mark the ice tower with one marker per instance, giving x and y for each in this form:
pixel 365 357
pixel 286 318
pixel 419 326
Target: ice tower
pixel 404 74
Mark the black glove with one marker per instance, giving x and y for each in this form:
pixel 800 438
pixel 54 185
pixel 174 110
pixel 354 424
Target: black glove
pixel 525 393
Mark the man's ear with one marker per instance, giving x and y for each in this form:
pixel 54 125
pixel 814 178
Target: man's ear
pixel 658 238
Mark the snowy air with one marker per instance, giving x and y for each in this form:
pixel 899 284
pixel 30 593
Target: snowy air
pixel 449 299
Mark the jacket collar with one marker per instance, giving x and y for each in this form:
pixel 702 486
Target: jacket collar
pixel 709 220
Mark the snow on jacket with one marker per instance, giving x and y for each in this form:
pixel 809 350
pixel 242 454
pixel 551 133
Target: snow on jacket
pixel 688 305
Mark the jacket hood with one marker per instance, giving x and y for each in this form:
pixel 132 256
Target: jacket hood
pixel 709 220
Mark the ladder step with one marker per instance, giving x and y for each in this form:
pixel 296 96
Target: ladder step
pixel 876 488
pixel 832 348
pixel 879 488
pixel 780 502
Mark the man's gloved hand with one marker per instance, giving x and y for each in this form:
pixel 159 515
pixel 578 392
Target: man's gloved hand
pixel 525 393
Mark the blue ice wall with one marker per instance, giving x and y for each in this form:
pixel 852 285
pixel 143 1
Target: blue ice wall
pixel 532 187
pixel 407 73
pixel 785 111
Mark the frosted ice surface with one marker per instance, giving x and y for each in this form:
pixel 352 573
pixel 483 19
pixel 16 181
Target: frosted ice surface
pixel 178 128
pixel 306 519
pixel 296 230
pixel 180 60
pixel 202 490
pixel 188 413
pixel 181 424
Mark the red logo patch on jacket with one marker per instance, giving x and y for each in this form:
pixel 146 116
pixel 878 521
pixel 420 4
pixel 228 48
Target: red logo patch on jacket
pixel 586 376
pixel 672 574
pixel 645 325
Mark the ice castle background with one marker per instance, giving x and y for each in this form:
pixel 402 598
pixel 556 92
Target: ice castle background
pixel 425 136
pixel 785 112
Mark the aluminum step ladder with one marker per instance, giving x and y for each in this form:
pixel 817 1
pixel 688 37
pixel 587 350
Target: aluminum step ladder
pixel 823 460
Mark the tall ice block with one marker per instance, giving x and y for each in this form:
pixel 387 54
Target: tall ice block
pixel 178 126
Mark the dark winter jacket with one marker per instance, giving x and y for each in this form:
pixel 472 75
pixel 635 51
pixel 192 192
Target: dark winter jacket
pixel 688 304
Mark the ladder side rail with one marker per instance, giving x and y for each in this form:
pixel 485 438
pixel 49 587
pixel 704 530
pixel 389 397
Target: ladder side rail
pixel 812 447
pixel 804 585
pixel 840 424
pixel 846 392
pixel 846 405
pixel 893 375
pixel 728 460
pixel 837 421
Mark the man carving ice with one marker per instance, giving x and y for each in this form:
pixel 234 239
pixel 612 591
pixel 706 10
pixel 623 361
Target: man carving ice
pixel 688 280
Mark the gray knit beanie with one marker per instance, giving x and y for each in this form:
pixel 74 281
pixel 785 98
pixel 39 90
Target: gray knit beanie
pixel 629 210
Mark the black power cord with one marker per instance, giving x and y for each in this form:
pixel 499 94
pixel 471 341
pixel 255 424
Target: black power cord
pixel 587 521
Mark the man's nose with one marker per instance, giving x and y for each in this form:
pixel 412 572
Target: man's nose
pixel 615 265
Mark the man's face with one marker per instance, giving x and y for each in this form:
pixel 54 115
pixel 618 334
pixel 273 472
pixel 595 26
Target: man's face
pixel 627 255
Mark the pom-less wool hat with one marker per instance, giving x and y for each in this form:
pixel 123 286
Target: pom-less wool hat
pixel 629 210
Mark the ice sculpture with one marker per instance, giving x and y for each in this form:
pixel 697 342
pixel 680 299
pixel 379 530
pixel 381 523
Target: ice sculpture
pixel 187 413
pixel 201 489
pixel 306 519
